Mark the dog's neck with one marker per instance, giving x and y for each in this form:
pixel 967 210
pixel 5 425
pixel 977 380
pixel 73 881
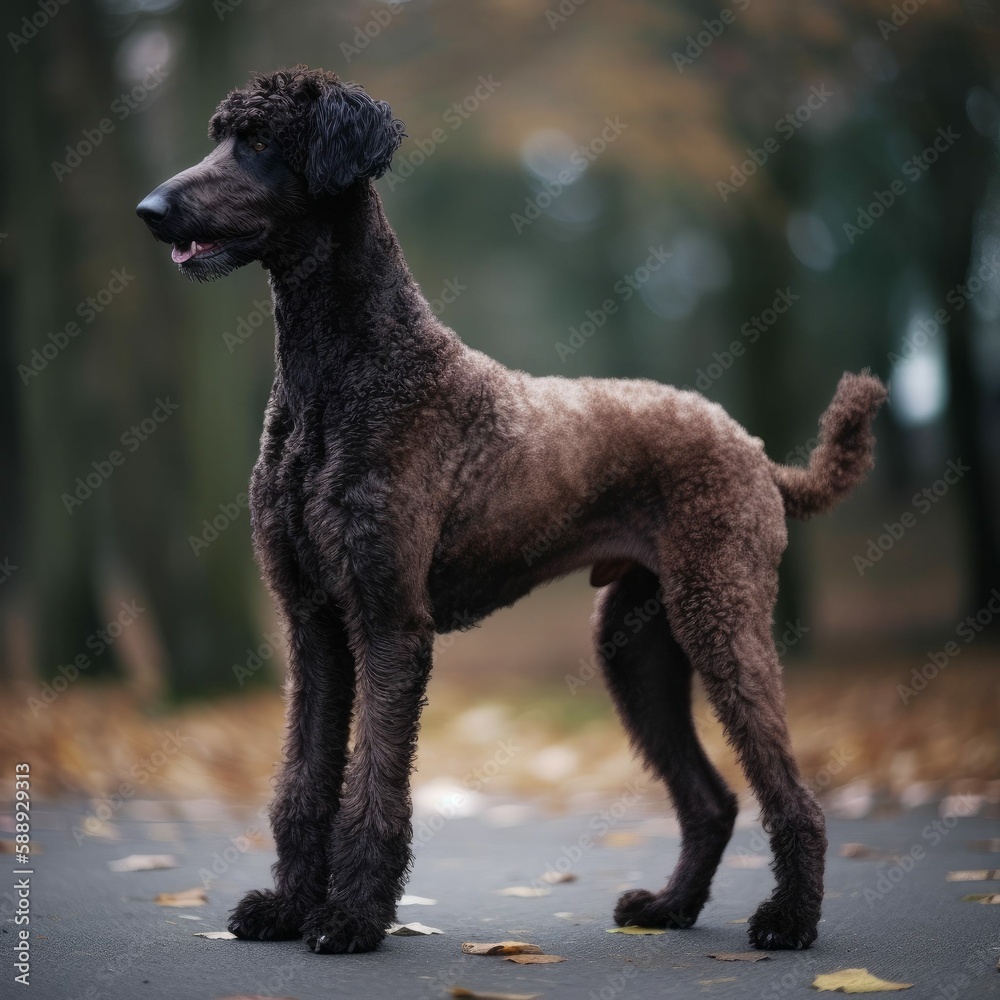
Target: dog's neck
pixel 342 289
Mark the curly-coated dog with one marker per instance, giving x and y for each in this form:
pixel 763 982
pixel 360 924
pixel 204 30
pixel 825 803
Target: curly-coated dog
pixel 403 479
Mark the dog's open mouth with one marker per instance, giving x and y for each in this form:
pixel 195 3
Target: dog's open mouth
pixel 183 252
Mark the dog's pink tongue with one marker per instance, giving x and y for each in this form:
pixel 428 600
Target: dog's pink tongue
pixel 180 254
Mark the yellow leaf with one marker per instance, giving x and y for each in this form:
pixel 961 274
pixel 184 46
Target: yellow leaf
pixel 534 959
pixel 186 897
pixel 855 981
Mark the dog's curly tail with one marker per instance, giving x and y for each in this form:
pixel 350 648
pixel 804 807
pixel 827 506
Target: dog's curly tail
pixel 843 455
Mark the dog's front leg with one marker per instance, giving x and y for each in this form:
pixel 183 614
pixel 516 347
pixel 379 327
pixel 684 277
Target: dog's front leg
pixel 370 853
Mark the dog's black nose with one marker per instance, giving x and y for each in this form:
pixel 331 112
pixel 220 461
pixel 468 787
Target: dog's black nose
pixel 153 208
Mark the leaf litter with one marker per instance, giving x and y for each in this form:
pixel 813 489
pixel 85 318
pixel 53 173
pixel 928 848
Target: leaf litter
pixel 855 981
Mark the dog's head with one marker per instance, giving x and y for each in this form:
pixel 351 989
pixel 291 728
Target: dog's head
pixel 283 141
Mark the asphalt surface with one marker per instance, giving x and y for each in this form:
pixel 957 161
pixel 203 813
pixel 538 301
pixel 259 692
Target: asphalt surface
pixel 97 934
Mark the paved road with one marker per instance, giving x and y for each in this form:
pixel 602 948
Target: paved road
pixel 97 934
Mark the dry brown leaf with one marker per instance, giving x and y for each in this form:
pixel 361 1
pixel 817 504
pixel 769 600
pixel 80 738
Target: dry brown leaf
pixel 636 930
pixel 144 863
pixel 740 956
pixel 461 991
pixel 554 878
pixel 742 920
pixel 752 861
pixel 501 948
pixel 993 845
pixel 982 897
pixel 978 875
pixel 854 981
pixel 186 897
pixel 414 929
pixel 8 847
pixel 859 851
pixel 523 891
pixel 216 935
pixel 534 959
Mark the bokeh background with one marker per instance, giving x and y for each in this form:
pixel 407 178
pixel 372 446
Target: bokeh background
pixel 695 164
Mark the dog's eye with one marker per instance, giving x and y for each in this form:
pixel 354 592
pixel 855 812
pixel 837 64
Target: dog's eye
pixel 258 145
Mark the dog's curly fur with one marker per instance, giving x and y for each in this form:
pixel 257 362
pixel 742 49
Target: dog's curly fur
pixel 402 482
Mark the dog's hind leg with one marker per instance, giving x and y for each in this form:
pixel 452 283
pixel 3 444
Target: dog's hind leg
pixel 720 606
pixel 650 680
pixel 320 693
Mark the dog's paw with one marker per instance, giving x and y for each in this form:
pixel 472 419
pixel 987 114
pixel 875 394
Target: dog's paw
pixel 640 908
pixel 263 915
pixel 329 930
pixel 776 926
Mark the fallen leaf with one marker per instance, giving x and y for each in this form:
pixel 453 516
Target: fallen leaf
pixel 534 959
pixel 858 851
pixel 742 920
pixel 186 897
pixel 461 991
pixel 710 982
pixel 414 929
pixel 216 935
pixel 554 878
pixel 523 891
pixel 187 916
pixel 982 897
pixel 144 863
pixel 501 948
pixel 636 930
pixel 979 875
pixel 416 901
pixel 746 861
pixel 9 847
pixel 621 838
pixel 854 981
pixel 993 845
pixel 740 956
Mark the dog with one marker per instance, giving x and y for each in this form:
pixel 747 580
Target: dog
pixel 401 482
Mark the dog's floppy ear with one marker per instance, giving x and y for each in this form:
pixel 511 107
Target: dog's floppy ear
pixel 353 136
